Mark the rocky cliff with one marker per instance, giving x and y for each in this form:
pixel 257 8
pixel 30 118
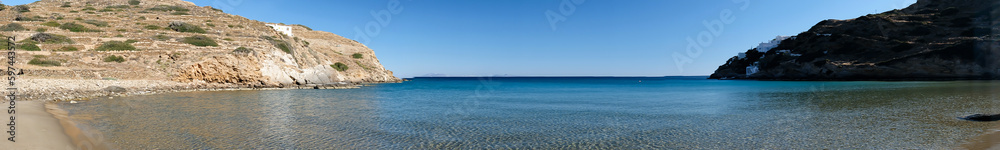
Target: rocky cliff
pixel 929 40
pixel 178 41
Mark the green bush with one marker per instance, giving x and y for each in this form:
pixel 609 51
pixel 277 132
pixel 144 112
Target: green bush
pixel 185 27
pixel 133 2
pixel 161 37
pixel 96 23
pixel 22 8
pixel 304 26
pixel 106 10
pixel 77 28
pixel 115 46
pixel 118 6
pixel 66 4
pixel 243 50
pixel 200 40
pixel 227 39
pixel 339 66
pixel 179 13
pixel 168 8
pixel 67 49
pixel 48 38
pixel 89 9
pixel 130 41
pixel 28 45
pixel 114 58
pixel 209 25
pixel 44 63
pixel 3 42
pixel 152 27
pixel 41 30
pixel 34 18
pixel 12 27
pixel 361 65
pixel 51 24
pixel 357 56
pixel 280 44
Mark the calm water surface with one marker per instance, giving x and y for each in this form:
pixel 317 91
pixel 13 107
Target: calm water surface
pixel 574 113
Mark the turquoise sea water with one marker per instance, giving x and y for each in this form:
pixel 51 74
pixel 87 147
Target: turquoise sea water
pixel 547 113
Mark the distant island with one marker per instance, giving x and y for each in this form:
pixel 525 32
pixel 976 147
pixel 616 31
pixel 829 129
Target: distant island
pixel 929 40
pixel 79 49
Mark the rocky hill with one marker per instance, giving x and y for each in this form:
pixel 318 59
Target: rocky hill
pixel 929 40
pixel 174 40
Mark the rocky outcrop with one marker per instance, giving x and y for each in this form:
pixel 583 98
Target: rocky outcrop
pixel 225 69
pixel 929 40
pixel 159 30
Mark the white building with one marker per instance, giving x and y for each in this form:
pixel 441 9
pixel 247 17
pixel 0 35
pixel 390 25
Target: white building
pixel 287 30
pixel 741 55
pixel 764 47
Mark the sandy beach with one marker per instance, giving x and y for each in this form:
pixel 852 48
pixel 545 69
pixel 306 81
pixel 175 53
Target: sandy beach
pixel 42 125
pixel 36 128
pixel 989 140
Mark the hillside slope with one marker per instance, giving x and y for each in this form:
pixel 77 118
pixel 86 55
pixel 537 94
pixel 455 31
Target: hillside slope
pixel 929 40
pixel 172 40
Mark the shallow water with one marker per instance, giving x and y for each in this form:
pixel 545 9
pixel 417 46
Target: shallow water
pixel 574 113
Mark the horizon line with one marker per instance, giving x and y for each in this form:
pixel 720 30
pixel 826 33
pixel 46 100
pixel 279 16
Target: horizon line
pixel 558 76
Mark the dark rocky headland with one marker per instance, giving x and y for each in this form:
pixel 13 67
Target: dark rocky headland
pixel 929 40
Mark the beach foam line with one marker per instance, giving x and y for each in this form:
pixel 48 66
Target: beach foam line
pixel 80 139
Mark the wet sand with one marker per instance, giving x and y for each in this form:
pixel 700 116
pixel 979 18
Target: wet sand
pixel 989 140
pixel 79 138
pixel 35 128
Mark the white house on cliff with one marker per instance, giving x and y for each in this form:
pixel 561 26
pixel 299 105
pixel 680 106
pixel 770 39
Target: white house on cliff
pixel 287 30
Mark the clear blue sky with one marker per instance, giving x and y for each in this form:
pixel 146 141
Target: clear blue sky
pixel 514 37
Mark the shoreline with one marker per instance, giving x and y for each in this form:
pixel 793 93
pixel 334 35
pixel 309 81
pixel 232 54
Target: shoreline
pixel 77 137
pixel 990 139
pixel 41 124
pixel 72 89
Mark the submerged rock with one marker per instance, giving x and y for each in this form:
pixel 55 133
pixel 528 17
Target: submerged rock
pixel 115 89
pixel 981 117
